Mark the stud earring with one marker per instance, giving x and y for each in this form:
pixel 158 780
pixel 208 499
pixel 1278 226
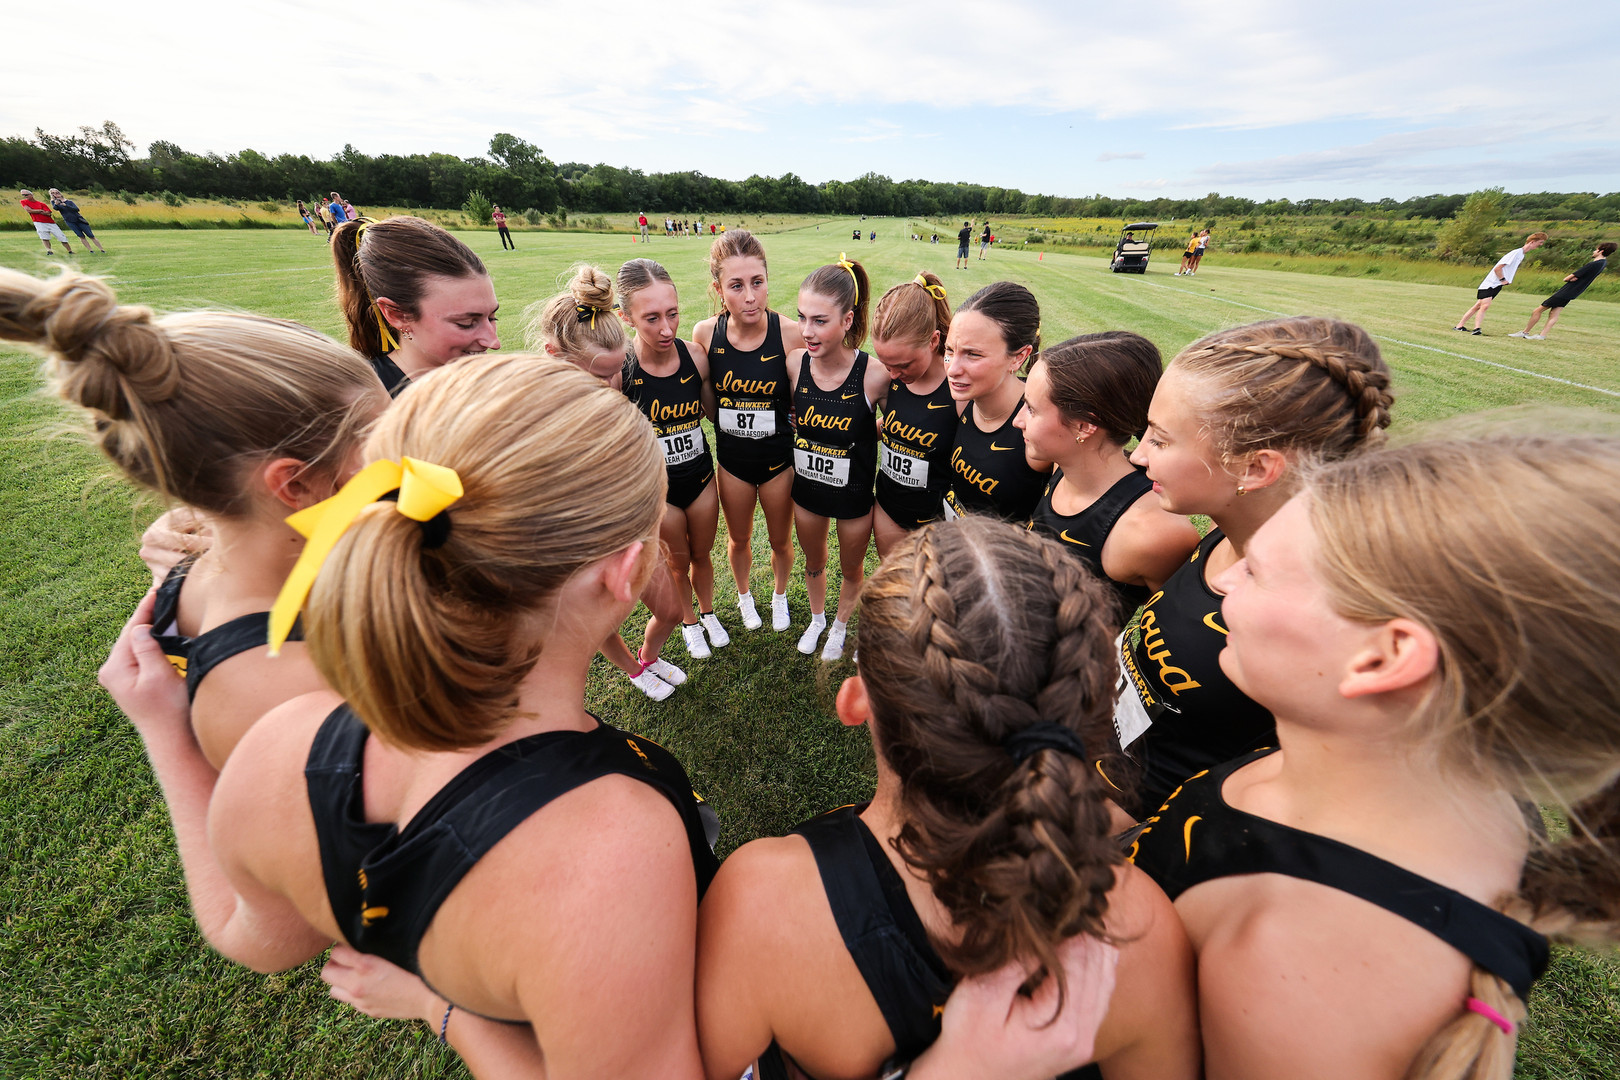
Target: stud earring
pixel 1242 490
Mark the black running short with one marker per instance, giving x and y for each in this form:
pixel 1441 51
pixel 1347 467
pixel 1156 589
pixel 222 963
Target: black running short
pixel 1559 299
pixel 684 491
pixel 1489 294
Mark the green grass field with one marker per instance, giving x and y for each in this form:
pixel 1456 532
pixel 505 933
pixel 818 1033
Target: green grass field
pixel 105 975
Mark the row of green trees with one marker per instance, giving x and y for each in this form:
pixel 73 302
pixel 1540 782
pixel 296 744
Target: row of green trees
pixel 516 173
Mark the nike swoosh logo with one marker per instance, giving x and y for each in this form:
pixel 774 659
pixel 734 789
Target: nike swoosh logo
pixel 993 446
pixel 778 465
pixel 947 405
pixel 773 356
pixel 1072 540
pixel 1186 834
pixel 688 379
pixel 1209 621
pixel 848 396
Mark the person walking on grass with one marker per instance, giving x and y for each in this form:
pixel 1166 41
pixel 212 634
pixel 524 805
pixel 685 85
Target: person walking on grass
pixel 44 223
pixel 75 220
pixel 499 216
pixel 985 239
pixel 1574 285
pixel 1500 277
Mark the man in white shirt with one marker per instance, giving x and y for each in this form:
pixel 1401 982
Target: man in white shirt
pixel 1499 278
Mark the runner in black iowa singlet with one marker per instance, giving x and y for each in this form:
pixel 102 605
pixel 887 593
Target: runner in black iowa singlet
pixel 835 452
pixel 1178 713
pixel 917 436
pixel 989 474
pixel 1084 534
pixel 674 405
pixel 752 431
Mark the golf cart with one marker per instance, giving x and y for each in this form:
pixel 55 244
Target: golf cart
pixel 1131 253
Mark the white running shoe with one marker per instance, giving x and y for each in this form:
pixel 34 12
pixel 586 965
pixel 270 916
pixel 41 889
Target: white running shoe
pixel 834 648
pixel 812 633
pixel 696 645
pixel 652 685
pixel 1519 333
pixel 667 671
pixel 779 612
pixel 1535 337
pixel 750 617
pixel 717 633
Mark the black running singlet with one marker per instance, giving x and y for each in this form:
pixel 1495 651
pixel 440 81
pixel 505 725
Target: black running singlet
pixel 1196 836
pixel 884 935
pixel 1178 713
pixel 674 404
pixel 989 474
pixel 917 436
pixel 835 450
pixel 753 394
pixel 385 884
pixel 195 657
pixel 1084 534
pixel 393 378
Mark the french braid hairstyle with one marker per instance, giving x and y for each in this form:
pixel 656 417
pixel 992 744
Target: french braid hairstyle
pixel 188 405
pixel 1502 546
pixel 972 631
pixel 1310 384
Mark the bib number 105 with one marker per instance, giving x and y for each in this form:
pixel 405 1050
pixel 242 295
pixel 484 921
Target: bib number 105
pixel 681 447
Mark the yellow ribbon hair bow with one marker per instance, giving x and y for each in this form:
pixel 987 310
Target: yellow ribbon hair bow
pixel 389 341
pixel 843 260
pixel 936 291
pixel 425 491
pixel 587 313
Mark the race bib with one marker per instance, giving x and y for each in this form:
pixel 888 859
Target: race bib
pixel 681 447
pixel 1131 718
pixel 950 510
pixel 748 423
pixel 904 469
pixel 822 468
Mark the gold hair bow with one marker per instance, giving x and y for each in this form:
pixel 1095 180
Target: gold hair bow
pixel 936 291
pixel 843 260
pixel 587 313
pixel 425 490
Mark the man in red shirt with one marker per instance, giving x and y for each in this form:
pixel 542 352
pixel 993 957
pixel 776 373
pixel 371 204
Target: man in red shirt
pixel 44 224
pixel 641 220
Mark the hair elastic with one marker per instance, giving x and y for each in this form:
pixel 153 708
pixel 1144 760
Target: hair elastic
pixel 843 260
pixel 1475 1005
pixel 1044 735
pixel 420 490
pixel 588 313
pixel 936 291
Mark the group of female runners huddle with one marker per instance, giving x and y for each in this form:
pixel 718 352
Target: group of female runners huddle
pixel 1280 824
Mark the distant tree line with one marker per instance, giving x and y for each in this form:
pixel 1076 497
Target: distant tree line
pixel 517 174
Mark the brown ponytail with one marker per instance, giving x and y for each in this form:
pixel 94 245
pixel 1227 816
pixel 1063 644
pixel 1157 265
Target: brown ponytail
pixel 1502 547
pixel 911 313
pixel 1105 379
pixel 184 405
pixel 970 632
pixel 393 259
pixel 429 645
pixel 848 287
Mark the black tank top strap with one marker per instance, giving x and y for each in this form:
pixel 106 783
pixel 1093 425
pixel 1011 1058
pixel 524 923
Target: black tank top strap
pixel 880 928
pixel 1101 516
pixel 385 885
pixel 1084 535
pixel 195 657
pixel 1197 836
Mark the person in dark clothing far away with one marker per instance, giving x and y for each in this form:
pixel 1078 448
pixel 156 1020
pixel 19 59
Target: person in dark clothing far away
pixel 81 228
pixel 1574 285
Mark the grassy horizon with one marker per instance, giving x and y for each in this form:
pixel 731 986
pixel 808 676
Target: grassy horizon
pixel 106 975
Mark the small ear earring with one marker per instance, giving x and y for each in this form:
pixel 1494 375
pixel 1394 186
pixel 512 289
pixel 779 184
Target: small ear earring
pixel 409 336
pixel 1242 490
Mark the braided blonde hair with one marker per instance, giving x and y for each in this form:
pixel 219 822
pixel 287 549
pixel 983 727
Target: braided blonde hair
pixel 971 631
pixel 1308 383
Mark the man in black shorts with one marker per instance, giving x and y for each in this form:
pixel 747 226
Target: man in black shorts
pixel 963 239
pixel 984 239
pixel 1574 285
pixel 1499 278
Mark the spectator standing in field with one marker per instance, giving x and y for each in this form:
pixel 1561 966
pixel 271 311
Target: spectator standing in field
pixel 984 239
pixel 349 212
pixel 963 238
pixel 81 228
pixel 1574 285
pixel 44 223
pixel 1198 251
pixel 500 224
pixel 303 212
pixel 1500 277
pixel 641 223
pixel 335 208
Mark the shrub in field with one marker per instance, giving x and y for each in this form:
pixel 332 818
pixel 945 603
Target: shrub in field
pixel 128 196
pixel 1469 235
pixel 269 206
pixel 478 205
pixel 171 198
pixel 533 216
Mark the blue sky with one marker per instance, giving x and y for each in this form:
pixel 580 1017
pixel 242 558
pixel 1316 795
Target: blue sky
pixel 1250 97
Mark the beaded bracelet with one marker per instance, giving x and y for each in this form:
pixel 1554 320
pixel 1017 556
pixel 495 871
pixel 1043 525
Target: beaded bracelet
pixel 444 1025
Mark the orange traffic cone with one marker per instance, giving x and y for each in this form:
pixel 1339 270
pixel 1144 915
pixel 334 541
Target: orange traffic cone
pixel 1041 257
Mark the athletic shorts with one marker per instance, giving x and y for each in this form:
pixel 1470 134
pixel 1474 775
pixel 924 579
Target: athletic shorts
pixel 1489 294
pixel 906 508
pixel 753 466
pixel 685 489
pixel 841 504
pixel 961 251
pixel 81 229
pixel 49 229
pixel 1559 299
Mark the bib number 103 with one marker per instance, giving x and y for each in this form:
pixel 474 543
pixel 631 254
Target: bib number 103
pixel 904 469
